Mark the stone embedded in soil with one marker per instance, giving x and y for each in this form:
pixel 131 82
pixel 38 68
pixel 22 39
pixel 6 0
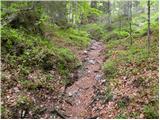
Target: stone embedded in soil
pixel 92 62
pixel 73 93
pixel 16 89
pixel 103 81
pixel 93 48
pixel 114 97
pixel 98 77
pixel 86 59
pixel 85 52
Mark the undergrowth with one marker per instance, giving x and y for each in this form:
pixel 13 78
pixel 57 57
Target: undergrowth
pixel 131 66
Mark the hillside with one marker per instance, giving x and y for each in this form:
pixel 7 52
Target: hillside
pixel 79 59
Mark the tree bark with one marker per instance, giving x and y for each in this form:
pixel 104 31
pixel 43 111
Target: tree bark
pixel 148 34
pixel 130 22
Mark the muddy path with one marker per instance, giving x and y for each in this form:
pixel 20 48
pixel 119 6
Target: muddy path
pixel 81 99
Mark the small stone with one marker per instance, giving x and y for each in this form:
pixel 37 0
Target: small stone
pixel 73 93
pixel 69 94
pixel 92 62
pixel 41 106
pixel 141 116
pixel 114 97
pixel 98 77
pixel 85 52
pixel 16 89
pixel 103 81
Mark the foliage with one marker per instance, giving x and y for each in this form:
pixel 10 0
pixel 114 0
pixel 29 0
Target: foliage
pixel 38 59
pixel 121 116
pixel 110 68
pixel 95 31
pixel 150 112
pixel 76 37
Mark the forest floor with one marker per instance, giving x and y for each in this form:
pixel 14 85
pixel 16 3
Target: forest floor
pixel 88 96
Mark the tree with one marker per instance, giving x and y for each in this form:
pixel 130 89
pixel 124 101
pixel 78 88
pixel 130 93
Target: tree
pixel 148 34
pixel 130 21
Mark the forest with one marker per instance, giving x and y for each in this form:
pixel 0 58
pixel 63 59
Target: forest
pixel 77 59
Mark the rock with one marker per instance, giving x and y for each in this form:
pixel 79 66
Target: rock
pixel 16 89
pixel 74 93
pixel 93 48
pixel 92 62
pixel 69 94
pixel 85 52
pixel 98 77
pixel 141 116
pixel 103 81
pixel 86 59
pixel 114 97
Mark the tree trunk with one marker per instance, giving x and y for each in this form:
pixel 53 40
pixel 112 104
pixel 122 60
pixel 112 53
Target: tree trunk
pixel 109 11
pixel 148 34
pixel 130 21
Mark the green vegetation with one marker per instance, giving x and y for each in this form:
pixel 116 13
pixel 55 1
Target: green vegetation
pixel 43 43
pixel 150 112
pixel 75 37
pixel 110 68
pixel 121 116
pixel 128 64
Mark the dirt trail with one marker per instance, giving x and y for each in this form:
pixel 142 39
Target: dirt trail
pixel 81 95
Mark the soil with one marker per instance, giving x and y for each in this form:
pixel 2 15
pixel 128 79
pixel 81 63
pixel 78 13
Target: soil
pixel 82 95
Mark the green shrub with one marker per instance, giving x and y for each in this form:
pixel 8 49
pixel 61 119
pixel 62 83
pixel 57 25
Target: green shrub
pixel 77 37
pixel 110 68
pixel 150 112
pixel 121 104
pixel 96 31
pixel 26 51
pixel 121 116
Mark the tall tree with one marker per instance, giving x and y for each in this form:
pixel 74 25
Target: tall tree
pixel 109 11
pixel 130 20
pixel 148 40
